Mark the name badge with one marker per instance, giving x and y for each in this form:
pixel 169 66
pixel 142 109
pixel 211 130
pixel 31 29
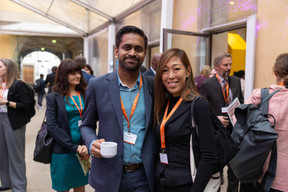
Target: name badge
pixel 79 123
pixel 130 138
pixel 163 158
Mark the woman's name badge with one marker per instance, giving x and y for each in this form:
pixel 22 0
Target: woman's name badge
pixel 163 158
pixel 130 138
pixel 79 123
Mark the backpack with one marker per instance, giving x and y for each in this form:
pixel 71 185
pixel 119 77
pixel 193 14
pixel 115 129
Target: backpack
pixel 225 145
pixel 30 111
pixel 255 137
pixel 37 85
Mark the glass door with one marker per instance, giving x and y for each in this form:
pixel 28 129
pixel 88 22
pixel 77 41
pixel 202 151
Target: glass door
pixel 196 45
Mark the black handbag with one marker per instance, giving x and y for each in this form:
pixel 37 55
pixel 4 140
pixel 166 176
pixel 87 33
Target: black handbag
pixel 43 145
pixel 225 145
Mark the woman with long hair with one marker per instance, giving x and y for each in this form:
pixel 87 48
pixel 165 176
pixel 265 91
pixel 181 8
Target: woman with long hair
pixel 176 89
pixel 13 102
pixel 64 114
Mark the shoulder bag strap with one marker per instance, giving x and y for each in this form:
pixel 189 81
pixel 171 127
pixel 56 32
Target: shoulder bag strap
pixel 269 176
pixel 193 168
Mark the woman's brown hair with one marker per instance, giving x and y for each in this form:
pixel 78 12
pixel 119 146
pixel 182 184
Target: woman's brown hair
pixel 12 72
pixel 161 93
pixel 281 67
pixel 61 84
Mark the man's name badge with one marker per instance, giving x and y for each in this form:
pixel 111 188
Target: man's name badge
pixel 163 158
pixel 130 138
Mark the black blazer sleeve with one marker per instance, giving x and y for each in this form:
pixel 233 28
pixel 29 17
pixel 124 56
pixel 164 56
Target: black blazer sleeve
pixel 207 158
pixel 57 126
pixel 19 94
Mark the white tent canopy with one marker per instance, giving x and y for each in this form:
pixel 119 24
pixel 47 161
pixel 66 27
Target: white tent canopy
pixel 63 17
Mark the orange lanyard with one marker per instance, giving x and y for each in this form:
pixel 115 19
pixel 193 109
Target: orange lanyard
pixel 2 91
pixel 165 119
pixel 133 106
pixel 282 83
pixel 227 89
pixel 81 108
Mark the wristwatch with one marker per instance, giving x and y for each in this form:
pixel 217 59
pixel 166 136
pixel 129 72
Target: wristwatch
pixel 8 103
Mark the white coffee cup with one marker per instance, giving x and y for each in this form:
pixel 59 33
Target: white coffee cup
pixel 108 149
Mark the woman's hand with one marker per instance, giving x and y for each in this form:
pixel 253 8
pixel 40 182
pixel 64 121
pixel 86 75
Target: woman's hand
pixel 82 150
pixel 3 101
pixel 224 120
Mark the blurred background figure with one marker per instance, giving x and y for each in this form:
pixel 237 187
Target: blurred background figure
pixel 204 74
pixel 142 69
pixel 241 75
pixel 212 72
pixel 80 60
pixel 13 102
pixel 64 117
pixel 40 83
pixel 88 69
pixel 154 65
pixel 50 79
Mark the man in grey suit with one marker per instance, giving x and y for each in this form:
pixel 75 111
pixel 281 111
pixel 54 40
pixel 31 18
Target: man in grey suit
pixel 220 90
pixel 121 102
pixel 154 65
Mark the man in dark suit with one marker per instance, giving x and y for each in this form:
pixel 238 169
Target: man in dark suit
pixel 154 65
pixel 220 90
pixel 82 62
pixel 121 102
pixel 50 79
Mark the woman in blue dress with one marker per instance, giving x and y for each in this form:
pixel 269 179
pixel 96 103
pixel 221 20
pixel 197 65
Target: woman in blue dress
pixel 64 114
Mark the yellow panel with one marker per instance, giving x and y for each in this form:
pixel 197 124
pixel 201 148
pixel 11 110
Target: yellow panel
pixel 237 47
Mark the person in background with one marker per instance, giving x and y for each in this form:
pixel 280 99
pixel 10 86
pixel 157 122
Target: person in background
pixel 64 115
pixel 220 90
pixel 122 104
pixel 50 79
pixel 241 75
pixel 176 89
pixel 142 69
pixel 88 69
pixel 80 60
pixel 204 74
pixel 278 107
pixel 41 91
pixel 154 65
pixel 212 72
pixel 13 101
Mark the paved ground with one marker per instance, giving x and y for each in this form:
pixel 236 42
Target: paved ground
pixel 38 174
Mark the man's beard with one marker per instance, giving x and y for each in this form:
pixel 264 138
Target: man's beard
pixel 128 67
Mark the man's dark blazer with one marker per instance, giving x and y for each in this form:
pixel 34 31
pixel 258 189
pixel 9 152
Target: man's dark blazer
pixel 149 73
pixel 50 79
pixel 103 104
pixel 58 124
pixel 212 91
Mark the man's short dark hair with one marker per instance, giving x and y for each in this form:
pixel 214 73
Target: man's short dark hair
pixel 80 60
pixel 130 29
pixel 54 69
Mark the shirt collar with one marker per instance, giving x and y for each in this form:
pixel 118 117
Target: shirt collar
pixel 153 70
pixel 123 85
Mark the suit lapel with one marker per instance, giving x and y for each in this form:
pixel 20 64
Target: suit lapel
pixel 217 87
pixel 148 102
pixel 62 107
pixel 114 94
pixel 183 107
